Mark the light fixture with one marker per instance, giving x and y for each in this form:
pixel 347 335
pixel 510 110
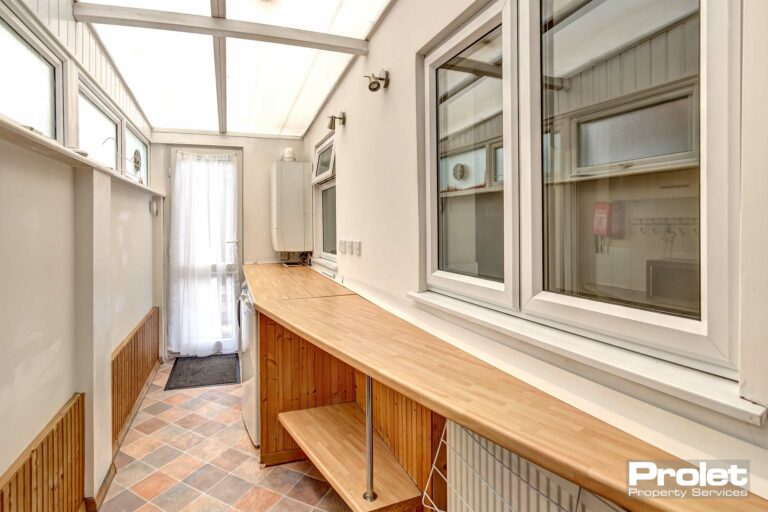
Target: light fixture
pixel 377 82
pixel 342 117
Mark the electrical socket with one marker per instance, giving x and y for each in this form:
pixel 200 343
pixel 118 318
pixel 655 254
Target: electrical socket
pixel 357 244
pixel 343 246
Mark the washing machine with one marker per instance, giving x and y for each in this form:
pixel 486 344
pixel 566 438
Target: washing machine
pixel 249 364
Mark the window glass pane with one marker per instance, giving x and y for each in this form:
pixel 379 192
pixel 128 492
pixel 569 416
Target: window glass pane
pixel 469 123
pixel 661 129
pixel 134 144
pixel 324 160
pixel 97 133
pixel 27 88
pixel 498 160
pixel 328 201
pixel 199 7
pixel 627 230
pixel 171 73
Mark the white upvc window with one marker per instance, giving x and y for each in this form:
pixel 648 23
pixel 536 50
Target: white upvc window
pixel 99 130
pixel 31 91
pixel 324 200
pixel 471 155
pixel 627 190
pixel 136 155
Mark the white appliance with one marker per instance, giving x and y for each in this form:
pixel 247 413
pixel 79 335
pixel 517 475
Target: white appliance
pixel 291 206
pixel 249 364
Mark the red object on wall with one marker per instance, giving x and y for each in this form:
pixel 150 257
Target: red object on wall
pixel 601 221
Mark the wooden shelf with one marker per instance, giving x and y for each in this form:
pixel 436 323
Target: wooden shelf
pixel 333 437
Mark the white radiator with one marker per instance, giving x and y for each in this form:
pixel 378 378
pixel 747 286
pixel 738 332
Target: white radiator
pixel 484 477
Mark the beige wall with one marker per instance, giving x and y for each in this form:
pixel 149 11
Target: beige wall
pixel 131 258
pixel 258 155
pixel 37 317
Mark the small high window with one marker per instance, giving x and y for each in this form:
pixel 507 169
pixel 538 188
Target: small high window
pixel 97 131
pixel 136 154
pixel 28 86
pixel 323 177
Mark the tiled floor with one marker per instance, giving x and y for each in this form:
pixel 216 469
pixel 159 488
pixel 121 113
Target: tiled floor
pixel 187 450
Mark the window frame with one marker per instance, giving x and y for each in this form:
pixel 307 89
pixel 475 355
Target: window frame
pixel 325 143
pixel 319 227
pixel 129 126
pixel 710 343
pixel 497 295
pixel 56 60
pixel 97 99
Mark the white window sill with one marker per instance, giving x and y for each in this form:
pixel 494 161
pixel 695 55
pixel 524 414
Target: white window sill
pixel 695 387
pixel 325 263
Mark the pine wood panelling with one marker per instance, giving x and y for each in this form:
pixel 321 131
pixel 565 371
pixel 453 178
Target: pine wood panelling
pixel 410 430
pixel 295 375
pixel 133 361
pixel 50 474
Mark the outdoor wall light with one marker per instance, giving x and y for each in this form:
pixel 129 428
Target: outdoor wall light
pixel 377 82
pixel 342 117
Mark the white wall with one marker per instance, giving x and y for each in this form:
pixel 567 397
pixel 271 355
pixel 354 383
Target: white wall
pixel 132 259
pixel 37 317
pixel 258 155
pixel 378 160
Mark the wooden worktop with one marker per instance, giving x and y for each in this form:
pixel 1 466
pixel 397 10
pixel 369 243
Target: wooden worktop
pixel 461 387
pixel 275 281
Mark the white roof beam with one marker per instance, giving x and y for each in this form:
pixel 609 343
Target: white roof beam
pixel 162 20
pixel 219 10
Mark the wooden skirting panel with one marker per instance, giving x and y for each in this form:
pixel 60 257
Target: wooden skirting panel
pixel 295 375
pixel 50 474
pixel 410 430
pixel 133 361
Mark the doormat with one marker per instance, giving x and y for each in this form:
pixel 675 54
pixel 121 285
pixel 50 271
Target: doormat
pixel 194 372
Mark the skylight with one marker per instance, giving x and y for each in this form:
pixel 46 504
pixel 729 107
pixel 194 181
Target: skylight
pixel 170 73
pixel 272 89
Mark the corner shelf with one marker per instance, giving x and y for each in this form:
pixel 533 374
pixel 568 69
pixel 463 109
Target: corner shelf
pixel 333 437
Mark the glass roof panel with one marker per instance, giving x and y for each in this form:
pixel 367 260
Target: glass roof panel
pixel 352 18
pixel 277 89
pixel 199 7
pixel 171 74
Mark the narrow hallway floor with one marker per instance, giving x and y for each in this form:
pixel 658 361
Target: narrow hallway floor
pixel 187 450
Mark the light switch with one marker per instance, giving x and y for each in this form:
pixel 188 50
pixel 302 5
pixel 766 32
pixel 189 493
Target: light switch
pixel 343 246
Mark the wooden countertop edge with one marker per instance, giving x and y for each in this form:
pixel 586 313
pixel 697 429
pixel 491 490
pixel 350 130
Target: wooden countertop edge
pixel 611 488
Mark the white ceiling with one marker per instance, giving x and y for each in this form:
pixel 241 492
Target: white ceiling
pixel 271 88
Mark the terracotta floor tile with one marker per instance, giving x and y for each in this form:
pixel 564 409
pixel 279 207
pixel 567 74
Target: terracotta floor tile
pixel 168 432
pixel 176 498
pixel 126 501
pixel 193 404
pixel 230 489
pixel 332 502
pixel 122 459
pixel 309 490
pixel 191 420
pixel 207 503
pixel 280 480
pixel 212 395
pixel 132 473
pixel 140 417
pixel 208 450
pixel 186 440
pixel 149 508
pixel 209 428
pixel 173 414
pixel 157 408
pixel 113 491
pixel 142 447
pixel 161 456
pixel 153 485
pixel 132 436
pixel 230 459
pixel 181 467
pixel 287 504
pixel 245 445
pixel 258 499
pixel 229 416
pixel 251 470
pixel 315 473
pixel 151 425
pixel 211 410
pixel 228 400
pixel 238 391
pixel 300 466
pixel 178 398
pixel 205 477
